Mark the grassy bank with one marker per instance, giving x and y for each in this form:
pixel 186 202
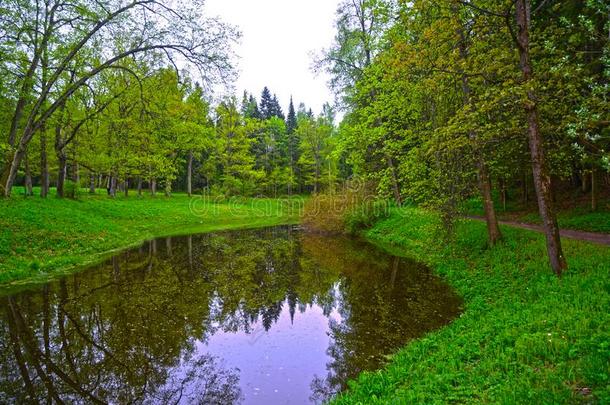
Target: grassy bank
pixel 40 239
pixel 525 336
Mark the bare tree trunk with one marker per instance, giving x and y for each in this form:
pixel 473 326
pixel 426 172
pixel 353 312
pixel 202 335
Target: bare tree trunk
pixel 189 175
pixel 10 170
pixel 28 177
pixel 493 230
pixel 112 186
pixel 92 183
pixel 585 182
pixel 542 178
pixel 153 187
pixel 61 173
pixel 44 166
pixel 139 186
pixel 126 185
pixel 168 188
pixel 75 165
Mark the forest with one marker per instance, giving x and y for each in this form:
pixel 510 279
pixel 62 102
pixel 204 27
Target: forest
pixel 452 99
pixel 115 115
pixel 77 112
pixel 443 101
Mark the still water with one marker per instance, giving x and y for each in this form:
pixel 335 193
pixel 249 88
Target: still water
pixel 270 316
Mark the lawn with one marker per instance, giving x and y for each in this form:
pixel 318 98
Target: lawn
pixel 525 336
pixel 40 239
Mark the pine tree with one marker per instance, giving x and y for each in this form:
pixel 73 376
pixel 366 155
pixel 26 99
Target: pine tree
pixel 276 109
pixel 245 104
pixel 291 121
pixel 254 111
pixel 249 107
pixel 292 140
pixel 270 106
pixel 266 106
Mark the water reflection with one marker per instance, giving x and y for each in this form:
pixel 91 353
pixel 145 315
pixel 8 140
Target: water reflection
pixel 260 316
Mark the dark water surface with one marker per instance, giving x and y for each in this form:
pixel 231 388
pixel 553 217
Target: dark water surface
pixel 268 316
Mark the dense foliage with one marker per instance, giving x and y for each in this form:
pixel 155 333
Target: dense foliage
pixel 117 94
pixel 447 99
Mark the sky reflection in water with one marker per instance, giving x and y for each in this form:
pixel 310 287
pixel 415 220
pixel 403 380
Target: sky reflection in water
pixel 263 316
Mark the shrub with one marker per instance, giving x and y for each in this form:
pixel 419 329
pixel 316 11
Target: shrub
pixel 71 190
pixel 350 210
pixel 365 215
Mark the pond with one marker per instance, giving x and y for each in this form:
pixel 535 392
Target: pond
pixel 268 316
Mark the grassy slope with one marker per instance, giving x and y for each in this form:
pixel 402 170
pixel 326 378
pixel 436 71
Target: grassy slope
pixel 43 238
pixel 525 336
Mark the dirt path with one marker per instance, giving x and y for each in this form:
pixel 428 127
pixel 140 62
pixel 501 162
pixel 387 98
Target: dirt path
pixel 600 238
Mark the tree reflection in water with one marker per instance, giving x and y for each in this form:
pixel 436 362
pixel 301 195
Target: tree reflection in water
pixel 130 330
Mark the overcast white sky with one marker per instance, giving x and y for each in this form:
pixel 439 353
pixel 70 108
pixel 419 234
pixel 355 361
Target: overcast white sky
pixel 278 37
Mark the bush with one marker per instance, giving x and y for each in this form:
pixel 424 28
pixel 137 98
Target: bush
pixel 350 210
pixel 71 190
pixel 365 216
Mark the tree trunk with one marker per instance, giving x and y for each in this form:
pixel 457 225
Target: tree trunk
pixel 61 173
pixel 75 165
pixel 139 186
pixel 28 177
pixel 189 175
pixel 126 185
pixel 44 166
pixel 112 186
pixel 493 229
pixel 92 183
pixel 10 170
pixel 542 178
pixel 593 189
pixel 585 182
pixel 62 161
pixel 526 196
pixel 168 188
pixel 153 187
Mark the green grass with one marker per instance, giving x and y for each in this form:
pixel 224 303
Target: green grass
pixel 579 218
pixel 573 214
pixel 525 336
pixel 40 239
